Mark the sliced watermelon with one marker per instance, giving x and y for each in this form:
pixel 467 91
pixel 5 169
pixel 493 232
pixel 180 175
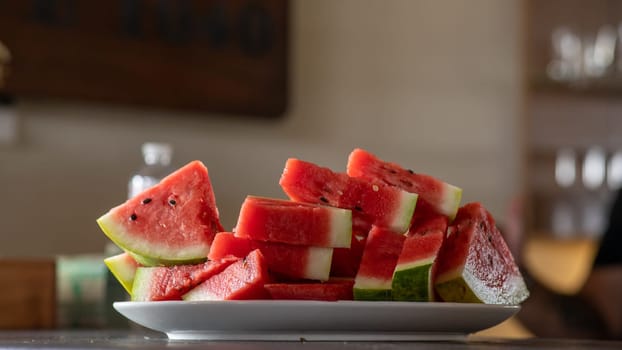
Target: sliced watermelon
pixel 175 221
pixel 243 279
pixel 435 196
pixel 475 264
pixel 382 250
pixel 293 261
pixel 386 206
pixel 123 267
pixel 276 220
pixel 172 282
pixel 329 291
pixel 412 279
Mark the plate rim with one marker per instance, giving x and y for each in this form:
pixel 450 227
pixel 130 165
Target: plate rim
pixel 144 312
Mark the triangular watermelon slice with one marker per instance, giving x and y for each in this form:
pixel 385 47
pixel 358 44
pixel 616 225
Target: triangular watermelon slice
pixel 475 264
pixel 173 222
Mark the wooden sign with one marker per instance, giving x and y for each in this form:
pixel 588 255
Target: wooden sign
pixel 218 56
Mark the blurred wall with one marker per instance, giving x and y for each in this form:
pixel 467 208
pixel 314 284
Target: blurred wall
pixel 434 85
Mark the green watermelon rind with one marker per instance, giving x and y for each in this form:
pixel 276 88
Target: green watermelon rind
pixel 341 228
pixel 142 283
pixel 412 281
pixel 371 289
pixel 148 249
pixel 404 212
pixel 457 286
pixel 319 263
pixel 123 272
pixel 452 196
pixel 363 294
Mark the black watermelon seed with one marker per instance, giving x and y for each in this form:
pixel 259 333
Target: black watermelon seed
pixel 133 217
pixel 146 200
pixel 323 199
pixel 392 171
pixel 172 202
pixel 356 207
pixel 410 171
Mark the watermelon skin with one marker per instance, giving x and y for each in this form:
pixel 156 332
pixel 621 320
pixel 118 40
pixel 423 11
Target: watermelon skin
pixel 412 278
pixel 174 221
pixel 385 206
pixel 292 261
pixel 329 291
pixel 375 274
pixel 242 280
pixel 475 264
pixel 123 267
pixel 172 282
pixel 435 196
pixel 276 220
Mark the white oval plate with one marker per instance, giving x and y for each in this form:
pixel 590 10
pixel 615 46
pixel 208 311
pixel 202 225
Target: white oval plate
pixel 314 320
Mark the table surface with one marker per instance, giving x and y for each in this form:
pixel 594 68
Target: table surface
pixel 151 340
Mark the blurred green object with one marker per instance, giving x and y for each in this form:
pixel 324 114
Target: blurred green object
pixel 85 293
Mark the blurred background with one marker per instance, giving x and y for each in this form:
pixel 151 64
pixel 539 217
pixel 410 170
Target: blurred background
pixel 517 102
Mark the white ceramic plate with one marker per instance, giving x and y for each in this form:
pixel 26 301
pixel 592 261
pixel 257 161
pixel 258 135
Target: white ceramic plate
pixel 314 320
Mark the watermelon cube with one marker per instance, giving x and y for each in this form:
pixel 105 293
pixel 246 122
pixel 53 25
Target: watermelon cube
pixel 412 278
pixel 375 274
pixel 386 206
pixel 244 279
pixel 475 264
pixel 276 220
pixel 435 196
pixel 292 261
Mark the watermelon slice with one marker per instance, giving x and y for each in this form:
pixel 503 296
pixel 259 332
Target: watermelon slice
pixel 329 291
pixel 243 279
pixel 475 264
pixel 293 261
pixel 412 279
pixel 174 222
pixel 386 206
pixel 276 220
pixel 172 282
pixel 123 267
pixel 382 250
pixel 435 196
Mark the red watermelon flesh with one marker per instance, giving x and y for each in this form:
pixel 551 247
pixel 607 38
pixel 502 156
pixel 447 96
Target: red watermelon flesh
pixel 276 220
pixel 413 276
pixel 385 206
pixel 172 282
pixel 435 196
pixel 328 291
pixel 293 261
pixel 242 280
pixel 173 221
pixel 346 261
pixel 475 264
pixel 382 250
